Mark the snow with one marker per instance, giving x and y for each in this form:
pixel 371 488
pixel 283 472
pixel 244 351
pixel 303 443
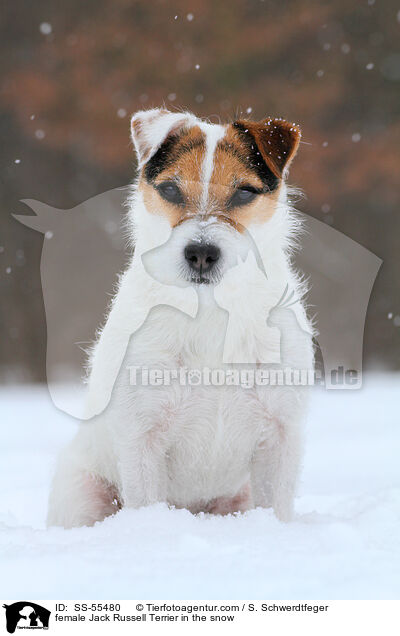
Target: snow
pixel 45 28
pixel 343 543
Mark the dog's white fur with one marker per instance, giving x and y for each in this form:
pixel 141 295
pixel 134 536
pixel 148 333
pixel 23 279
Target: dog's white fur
pixel 200 447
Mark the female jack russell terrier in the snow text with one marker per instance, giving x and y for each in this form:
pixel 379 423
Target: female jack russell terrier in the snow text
pixel 212 232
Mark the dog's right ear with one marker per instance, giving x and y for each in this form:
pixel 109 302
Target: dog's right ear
pixel 150 128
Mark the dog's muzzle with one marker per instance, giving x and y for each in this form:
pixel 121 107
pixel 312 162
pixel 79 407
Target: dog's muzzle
pixel 202 258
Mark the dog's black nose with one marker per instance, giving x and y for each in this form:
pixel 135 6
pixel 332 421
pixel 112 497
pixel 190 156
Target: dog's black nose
pixel 202 256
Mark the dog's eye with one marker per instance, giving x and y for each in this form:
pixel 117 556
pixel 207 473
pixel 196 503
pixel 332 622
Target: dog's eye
pixel 170 192
pixel 243 196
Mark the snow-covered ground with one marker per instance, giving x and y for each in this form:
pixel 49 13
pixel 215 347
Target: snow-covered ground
pixel 343 544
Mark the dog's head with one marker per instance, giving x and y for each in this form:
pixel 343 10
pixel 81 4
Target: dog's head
pixel 204 186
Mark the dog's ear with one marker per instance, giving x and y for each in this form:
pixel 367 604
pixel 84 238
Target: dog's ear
pixel 150 128
pixel 277 141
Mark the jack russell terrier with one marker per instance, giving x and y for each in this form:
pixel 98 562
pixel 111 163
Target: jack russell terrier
pixel 213 233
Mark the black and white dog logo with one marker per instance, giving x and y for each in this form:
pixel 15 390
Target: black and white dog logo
pixel 26 615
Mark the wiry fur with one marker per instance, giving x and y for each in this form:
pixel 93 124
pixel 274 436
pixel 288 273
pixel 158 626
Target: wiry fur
pixel 217 449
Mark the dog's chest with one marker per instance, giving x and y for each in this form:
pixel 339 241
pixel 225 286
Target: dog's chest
pixel 211 435
pixel 207 432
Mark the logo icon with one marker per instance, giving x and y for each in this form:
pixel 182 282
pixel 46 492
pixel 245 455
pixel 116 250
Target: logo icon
pixel 339 272
pixel 26 615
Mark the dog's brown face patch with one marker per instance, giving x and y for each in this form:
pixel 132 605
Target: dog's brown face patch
pixel 172 179
pixel 240 185
pixel 246 175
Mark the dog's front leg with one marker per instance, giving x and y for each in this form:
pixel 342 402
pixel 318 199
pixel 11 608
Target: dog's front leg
pixel 275 467
pixel 143 470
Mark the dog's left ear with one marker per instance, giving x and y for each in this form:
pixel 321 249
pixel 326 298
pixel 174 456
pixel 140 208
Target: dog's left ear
pixel 150 128
pixel 277 140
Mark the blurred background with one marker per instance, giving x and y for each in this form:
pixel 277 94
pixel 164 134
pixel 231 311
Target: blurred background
pixel 72 73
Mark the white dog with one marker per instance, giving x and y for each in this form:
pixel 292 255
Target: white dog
pixel 212 230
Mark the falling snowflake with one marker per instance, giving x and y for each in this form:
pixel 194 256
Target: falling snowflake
pixel 45 28
pixel 356 137
pixel 111 227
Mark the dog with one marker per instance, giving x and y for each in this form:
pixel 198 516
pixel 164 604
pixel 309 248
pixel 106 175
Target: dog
pixel 213 235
